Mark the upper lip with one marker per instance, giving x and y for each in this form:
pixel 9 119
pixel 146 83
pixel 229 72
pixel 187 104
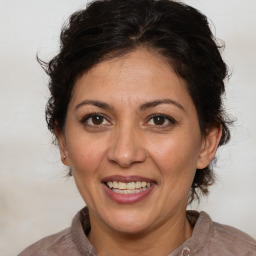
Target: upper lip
pixel 126 179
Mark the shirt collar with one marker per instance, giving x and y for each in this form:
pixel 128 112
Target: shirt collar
pixel 201 223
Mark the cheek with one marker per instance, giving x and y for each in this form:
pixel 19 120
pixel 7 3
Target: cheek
pixel 176 157
pixel 85 156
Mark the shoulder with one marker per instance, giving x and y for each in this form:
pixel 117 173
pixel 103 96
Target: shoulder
pixel 226 240
pixel 234 240
pixel 57 244
pixel 71 241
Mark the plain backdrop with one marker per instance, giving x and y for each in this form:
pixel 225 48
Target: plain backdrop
pixel 36 198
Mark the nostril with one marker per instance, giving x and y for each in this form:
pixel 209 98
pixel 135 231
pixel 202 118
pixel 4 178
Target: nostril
pixel 126 147
pixel 126 156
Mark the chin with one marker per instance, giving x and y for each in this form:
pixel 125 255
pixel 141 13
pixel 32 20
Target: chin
pixel 130 222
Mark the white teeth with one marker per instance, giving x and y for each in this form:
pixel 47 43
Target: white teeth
pixel 138 184
pixel 115 184
pixel 130 187
pixel 122 185
pixel 110 184
pixel 128 191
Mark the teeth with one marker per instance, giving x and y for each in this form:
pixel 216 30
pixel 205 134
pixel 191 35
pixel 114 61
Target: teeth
pixel 130 185
pixel 137 186
pixel 110 184
pixel 115 184
pixel 128 191
pixel 143 184
pixel 122 185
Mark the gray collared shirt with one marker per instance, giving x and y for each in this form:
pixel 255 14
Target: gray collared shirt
pixel 208 239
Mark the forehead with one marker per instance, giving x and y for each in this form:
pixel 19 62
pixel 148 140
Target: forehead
pixel 138 75
pixel 140 62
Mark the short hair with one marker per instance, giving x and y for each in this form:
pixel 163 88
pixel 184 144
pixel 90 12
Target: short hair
pixel 179 33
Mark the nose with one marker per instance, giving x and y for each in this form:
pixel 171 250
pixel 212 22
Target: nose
pixel 126 147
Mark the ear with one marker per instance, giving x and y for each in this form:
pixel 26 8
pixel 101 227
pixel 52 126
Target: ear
pixel 209 146
pixel 62 146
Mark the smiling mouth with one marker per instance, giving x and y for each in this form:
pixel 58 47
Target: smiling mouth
pixel 128 189
pixel 133 187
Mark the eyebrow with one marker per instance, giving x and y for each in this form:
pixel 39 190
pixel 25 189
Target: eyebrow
pixel 96 103
pixel 155 103
pixel 143 107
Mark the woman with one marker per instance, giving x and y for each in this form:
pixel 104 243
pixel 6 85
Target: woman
pixel 137 111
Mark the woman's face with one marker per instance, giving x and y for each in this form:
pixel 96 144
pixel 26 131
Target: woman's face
pixel 133 141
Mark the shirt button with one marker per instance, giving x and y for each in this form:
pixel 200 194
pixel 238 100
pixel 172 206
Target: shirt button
pixel 186 252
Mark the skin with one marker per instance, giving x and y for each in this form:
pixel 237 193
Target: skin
pixel 126 140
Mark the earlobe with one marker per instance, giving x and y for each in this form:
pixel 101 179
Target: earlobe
pixel 62 147
pixel 209 147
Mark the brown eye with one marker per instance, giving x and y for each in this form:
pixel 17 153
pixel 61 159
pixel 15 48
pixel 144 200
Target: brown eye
pixel 159 120
pixel 95 120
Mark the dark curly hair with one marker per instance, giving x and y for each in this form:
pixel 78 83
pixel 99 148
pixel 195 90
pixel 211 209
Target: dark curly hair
pixel 179 33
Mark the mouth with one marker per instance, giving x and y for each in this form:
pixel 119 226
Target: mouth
pixel 133 187
pixel 128 189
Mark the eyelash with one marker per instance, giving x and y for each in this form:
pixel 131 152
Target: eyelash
pixel 103 118
pixel 85 122
pixel 165 117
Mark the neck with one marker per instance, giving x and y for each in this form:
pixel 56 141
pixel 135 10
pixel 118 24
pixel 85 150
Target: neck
pixel 162 239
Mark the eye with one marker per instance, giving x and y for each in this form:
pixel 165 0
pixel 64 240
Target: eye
pixel 160 120
pixel 95 120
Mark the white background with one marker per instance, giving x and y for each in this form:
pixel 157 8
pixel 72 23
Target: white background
pixel 36 199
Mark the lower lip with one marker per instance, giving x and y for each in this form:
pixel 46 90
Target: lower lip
pixel 127 198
